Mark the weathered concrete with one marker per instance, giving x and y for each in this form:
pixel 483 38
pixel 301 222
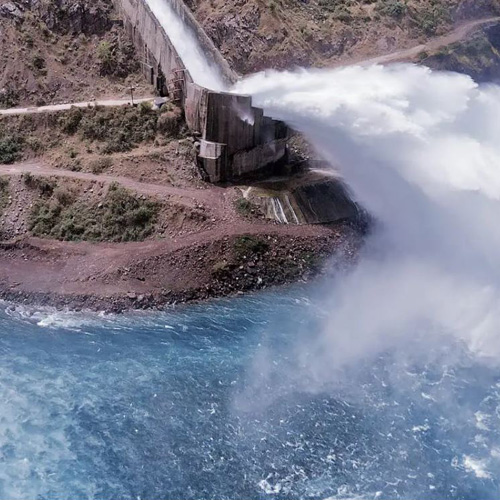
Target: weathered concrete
pixel 236 139
pixel 313 197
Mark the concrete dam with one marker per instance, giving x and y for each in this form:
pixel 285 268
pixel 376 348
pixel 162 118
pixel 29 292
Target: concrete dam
pixel 235 138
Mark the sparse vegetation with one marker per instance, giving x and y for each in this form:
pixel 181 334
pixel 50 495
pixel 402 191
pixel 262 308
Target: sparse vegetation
pixel 119 129
pixel 478 57
pixel 38 63
pixel 429 18
pixel 121 216
pixel 10 149
pixel 4 193
pixel 393 8
pixel 70 121
pixel 246 246
pixel 170 121
pixel 102 130
pixel 244 207
pixel 9 97
pixel 99 165
pixel 116 57
pixel 42 184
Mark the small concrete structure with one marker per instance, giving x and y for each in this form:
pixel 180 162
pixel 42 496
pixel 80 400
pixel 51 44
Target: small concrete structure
pixel 313 197
pixel 236 139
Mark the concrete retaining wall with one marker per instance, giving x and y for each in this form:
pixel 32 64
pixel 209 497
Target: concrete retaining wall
pixel 236 139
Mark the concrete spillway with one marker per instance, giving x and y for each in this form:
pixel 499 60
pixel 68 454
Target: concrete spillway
pixel 236 139
pixel 204 72
pixel 313 197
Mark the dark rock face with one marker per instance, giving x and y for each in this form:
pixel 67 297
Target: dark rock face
pixel 477 57
pixel 70 16
pixel 11 10
pixel 470 9
pixel 63 16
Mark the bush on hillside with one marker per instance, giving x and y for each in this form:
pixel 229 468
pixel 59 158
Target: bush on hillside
pixel 11 148
pixel 121 217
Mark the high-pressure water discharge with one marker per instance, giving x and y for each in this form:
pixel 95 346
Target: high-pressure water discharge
pixel 203 72
pixel 421 151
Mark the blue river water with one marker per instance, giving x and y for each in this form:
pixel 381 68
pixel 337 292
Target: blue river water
pixel 204 402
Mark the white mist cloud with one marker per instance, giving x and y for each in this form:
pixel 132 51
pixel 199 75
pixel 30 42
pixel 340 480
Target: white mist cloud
pixel 421 151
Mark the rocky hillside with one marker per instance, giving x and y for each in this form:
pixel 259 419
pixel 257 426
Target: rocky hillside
pixel 60 50
pixel 258 34
pixel 477 56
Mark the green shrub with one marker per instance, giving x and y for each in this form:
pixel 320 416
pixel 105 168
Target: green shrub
pixel 116 57
pixel 170 122
pixel 11 148
pixel 430 18
pixel 393 8
pixel 99 165
pixel 244 207
pixel 38 63
pixel 43 185
pixel 70 121
pixel 120 217
pixel 9 97
pixel 249 245
pixel 4 193
pixel 120 129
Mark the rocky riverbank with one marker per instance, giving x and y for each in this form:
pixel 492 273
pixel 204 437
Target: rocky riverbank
pixel 151 275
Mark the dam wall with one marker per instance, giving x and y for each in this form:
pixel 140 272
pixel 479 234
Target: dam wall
pixel 235 139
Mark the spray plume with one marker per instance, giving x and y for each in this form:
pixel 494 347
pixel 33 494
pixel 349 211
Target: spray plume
pixel 421 152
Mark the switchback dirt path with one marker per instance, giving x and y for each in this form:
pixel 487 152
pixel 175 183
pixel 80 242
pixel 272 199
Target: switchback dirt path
pixel 195 265
pixel 214 197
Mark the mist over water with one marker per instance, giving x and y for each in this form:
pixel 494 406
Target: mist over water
pixel 204 402
pixel 383 383
pixel 420 150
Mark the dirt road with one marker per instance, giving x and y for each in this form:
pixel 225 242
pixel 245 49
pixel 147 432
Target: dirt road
pixel 213 197
pixel 458 34
pixel 63 107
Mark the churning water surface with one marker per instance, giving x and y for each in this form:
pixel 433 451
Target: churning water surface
pixel 384 383
pixel 209 401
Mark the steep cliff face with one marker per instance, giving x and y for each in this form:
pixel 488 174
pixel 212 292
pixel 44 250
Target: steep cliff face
pixel 478 56
pixel 92 17
pixel 62 50
pixel 258 34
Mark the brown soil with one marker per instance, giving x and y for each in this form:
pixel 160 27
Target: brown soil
pixel 202 247
pixel 280 34
pixel 50 53
pixel 207 264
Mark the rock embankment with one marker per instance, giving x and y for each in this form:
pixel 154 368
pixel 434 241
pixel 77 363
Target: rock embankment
pixel 155 274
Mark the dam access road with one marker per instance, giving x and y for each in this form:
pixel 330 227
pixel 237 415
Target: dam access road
pixel 200 261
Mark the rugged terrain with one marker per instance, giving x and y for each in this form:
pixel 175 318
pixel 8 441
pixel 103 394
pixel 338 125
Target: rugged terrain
pixel 478 55
pixel 58 51
pixel 256 34
pixel 105 207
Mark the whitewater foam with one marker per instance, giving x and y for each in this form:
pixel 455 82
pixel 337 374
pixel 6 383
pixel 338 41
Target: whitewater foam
pixel 477 467
pixel 420 151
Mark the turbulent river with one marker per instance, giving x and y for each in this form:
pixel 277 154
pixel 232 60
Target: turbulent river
pixel 208 402
pixel 381 383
